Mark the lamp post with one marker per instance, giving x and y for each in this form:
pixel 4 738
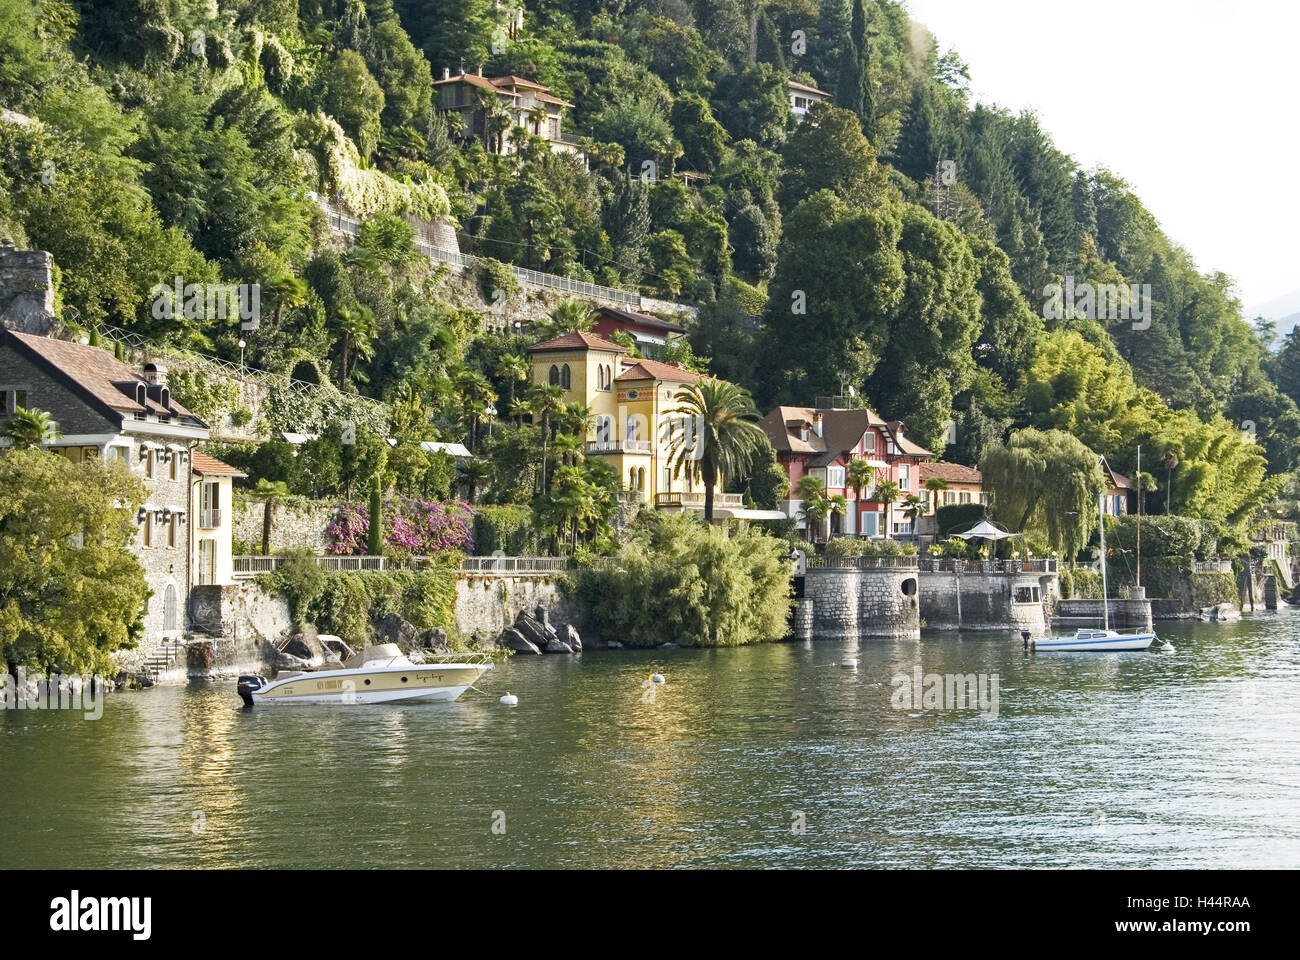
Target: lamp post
pixel 491 412
pixel 242 345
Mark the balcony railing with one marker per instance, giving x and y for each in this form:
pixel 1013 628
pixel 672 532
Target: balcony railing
pixel 245 567
pixel 618 446
pixel 863 563
pixel 951 565
pixel 696 500
pixel 210 519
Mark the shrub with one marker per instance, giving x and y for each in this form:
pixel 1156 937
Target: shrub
pixel 493 275
pixel 1162 536
pixel 1081 583
pixel 957 517
pixel 850 547
pixel 505 528
pixel 412 527
pixel 682 580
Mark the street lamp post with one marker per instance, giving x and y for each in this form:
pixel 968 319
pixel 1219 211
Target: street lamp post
pixel 242 345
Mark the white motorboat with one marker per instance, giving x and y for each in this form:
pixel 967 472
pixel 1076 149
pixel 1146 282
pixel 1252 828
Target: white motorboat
pixel 381 673
pixel 1098 641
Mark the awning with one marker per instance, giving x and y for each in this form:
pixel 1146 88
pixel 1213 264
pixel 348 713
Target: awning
pixel 740 513
pixel 986 530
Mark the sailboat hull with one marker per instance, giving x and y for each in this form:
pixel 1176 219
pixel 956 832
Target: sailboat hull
pixel 1136 641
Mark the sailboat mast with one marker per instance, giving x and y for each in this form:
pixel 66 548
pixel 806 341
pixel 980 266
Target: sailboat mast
pixel 1105 600
pixel 1137 580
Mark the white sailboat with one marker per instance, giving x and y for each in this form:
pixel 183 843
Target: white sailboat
pixel 1105 639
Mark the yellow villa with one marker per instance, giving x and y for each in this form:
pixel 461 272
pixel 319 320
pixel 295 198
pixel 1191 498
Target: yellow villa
pixel 632 399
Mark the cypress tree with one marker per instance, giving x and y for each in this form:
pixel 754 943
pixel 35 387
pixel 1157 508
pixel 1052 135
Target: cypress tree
pixel 375 546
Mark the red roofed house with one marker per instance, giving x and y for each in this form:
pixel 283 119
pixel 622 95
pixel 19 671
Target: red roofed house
pixel 1118 490
pixel 523 103
pixel 650 332
pixel 962 485
pixel 632 400
pixel 822 442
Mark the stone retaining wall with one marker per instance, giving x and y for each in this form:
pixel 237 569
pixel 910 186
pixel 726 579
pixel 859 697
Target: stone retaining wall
pixel 986 601
pixel 849 603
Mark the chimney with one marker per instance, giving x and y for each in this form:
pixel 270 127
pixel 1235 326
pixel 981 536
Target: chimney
pixel 446 73
pixel 26 289
pixel 817 422
pixel 155 374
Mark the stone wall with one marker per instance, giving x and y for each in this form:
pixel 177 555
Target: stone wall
pixel 975 600
pixel 849 603
pixel 1124 614
pixel 240 612
pixel 26 290
pixel 301 527
pixel 487 604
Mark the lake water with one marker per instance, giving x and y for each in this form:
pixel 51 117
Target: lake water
pixel 768 756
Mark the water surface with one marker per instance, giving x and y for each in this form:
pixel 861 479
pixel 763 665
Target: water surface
pixel 1184 759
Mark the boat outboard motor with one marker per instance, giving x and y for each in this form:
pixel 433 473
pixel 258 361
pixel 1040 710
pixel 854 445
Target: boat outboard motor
pixel 247 684
pixel 1024 637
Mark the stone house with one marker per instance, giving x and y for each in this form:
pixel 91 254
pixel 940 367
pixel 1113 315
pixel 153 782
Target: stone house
pixel 105 409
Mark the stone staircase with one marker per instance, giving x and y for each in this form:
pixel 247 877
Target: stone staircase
pixel 163 658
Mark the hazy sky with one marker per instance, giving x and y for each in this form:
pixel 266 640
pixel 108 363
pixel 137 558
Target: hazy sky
pixel 1193 102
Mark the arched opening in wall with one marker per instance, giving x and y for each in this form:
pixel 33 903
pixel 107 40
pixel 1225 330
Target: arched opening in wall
pixel 169 608
pixel 909 587
pixel 565 377
pixel 553 378
pixel 306 372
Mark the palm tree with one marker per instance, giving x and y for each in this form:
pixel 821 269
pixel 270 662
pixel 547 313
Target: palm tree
pixel 569 448
pixel 476 396
pixel 812 491
pixel 29 428
pixel 567 316
pixel 838 504
pixel 359 328
pixel 473 473
pixel 513 369
pixel 913 509
pixel 545 401
pixel 861 475
pixel 269 493
pixel 577 419
pixel 887 493
pixel 284 290
pixel 724 436
pixel 1171 461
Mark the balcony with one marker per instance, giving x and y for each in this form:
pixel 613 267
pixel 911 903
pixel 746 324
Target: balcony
pixel 695 501
pixel 210 519
pixel 617 446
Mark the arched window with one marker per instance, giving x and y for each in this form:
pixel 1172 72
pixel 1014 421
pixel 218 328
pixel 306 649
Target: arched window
pixel 604 428
pixel 169 608
pixel 640 479
pixel 565 381
pixel 554 377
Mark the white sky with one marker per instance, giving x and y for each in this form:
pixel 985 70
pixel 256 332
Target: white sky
pixel 1193 102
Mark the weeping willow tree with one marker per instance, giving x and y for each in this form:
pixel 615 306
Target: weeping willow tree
pixel 1046 478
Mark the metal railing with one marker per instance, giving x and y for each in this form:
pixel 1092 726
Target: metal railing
pixel 1211 566
pixel 697 500
pixel 352 228
pixel 618 446
pixel 210 519
pixel 863 563
pixel 226 368
pixel 246 566
pixel 952 565
pixel 508 565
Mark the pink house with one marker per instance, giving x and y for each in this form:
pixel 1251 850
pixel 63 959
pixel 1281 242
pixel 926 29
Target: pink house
pixel 822 442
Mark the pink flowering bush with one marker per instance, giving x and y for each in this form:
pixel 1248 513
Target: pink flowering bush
pixel 412 527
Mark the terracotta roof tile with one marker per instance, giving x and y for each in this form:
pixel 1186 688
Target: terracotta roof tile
pixel 644 369
pixel 949 472
pixel 97 371
pixel 576 341
pixel 212 467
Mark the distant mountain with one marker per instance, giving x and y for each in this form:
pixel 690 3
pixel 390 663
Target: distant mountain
pixel 1285 310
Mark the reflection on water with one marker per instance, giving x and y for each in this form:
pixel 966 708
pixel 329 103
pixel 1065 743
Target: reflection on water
pixel 1182 759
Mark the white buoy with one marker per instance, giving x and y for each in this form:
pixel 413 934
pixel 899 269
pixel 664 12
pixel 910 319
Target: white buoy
pixel 1167 647
pixel 510 700
pixel 849 662
pixel 656 678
